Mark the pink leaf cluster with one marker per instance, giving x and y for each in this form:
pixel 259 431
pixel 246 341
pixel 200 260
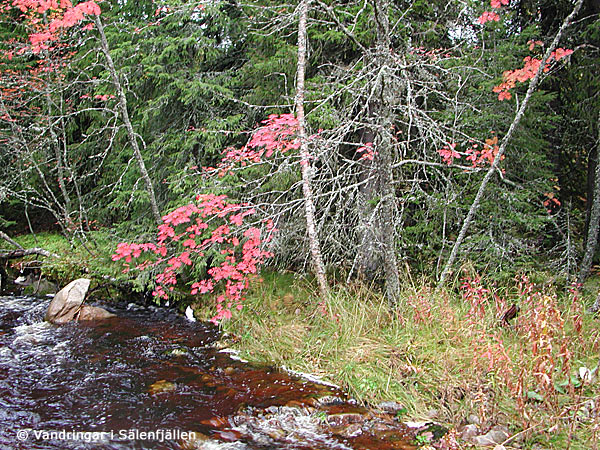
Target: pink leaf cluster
pixel 475 155
pixel 488 16
pixel 368 152
pixel 448 153
pixel 279 133
pixel 486 155
pixel 510 78
pixel 533 43
pixel 492 16
pixel 551 202
pixel 64 16
pixel 185 236
pixel 497 4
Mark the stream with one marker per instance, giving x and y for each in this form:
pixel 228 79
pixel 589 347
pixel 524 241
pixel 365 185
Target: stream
pixel 150 379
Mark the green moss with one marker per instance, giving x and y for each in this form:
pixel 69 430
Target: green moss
pixel 89 257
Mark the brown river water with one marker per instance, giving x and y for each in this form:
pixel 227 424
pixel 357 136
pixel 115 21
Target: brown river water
pixel 150 379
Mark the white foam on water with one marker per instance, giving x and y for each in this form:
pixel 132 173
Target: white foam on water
pixel 310 377
pixel 16 303
pixel 32 333
pixel 37 339
pixel 233 354
pixel 288 426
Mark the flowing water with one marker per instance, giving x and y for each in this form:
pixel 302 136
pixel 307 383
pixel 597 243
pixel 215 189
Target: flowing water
pixel 149 379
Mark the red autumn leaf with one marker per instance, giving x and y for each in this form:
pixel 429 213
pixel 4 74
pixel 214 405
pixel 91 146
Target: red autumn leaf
pixel 448 153
pixel 496 4
pixel 488 16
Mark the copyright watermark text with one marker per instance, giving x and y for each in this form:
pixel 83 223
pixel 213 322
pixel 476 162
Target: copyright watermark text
pixel 133 434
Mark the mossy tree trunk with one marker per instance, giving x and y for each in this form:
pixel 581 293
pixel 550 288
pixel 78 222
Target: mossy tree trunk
pixel 378 200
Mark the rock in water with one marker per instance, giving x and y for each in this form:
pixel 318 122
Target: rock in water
pixel 93 313
pixel 67 305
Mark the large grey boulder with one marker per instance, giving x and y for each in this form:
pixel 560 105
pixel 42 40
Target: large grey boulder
pixel 67 304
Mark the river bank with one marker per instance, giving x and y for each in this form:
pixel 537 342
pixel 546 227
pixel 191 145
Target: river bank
pixel 449 357
pixel 446 357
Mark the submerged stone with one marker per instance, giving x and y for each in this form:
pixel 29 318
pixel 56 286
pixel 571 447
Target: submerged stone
pixel 93 313
pixel 352 430
pixel 161 386
pixel 391 407
pixel 343 419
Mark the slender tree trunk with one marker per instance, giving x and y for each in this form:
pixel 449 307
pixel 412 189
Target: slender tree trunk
pixel 519 115
pixel 305 162
pixel 59 159
pixel 83 218
pixel 593 227
pixel 125 116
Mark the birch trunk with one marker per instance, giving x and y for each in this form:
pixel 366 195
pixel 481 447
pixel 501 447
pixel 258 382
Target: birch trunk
pixel 305 162
pixel 125 116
